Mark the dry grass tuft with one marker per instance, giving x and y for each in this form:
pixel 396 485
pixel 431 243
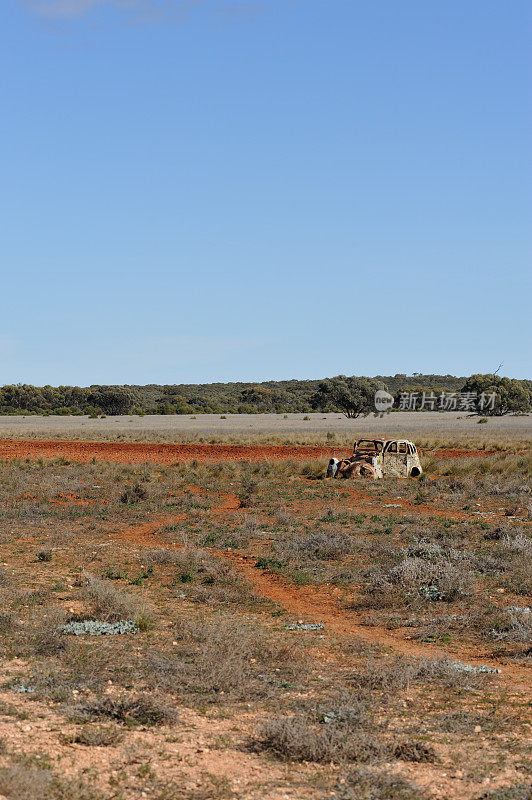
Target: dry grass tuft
pixel 319 546
pixel 95 736
pixel 208 579
pixel 416 752
pixel 110 603
pixel 159 556
pixel 391 675
pixel 20 782
pixel 368 784
pixel 224 656
pixel 134 494
pixel 303 738
pixel 130 711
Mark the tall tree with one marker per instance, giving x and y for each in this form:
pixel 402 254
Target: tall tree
pixel 511 396
pixel 355 397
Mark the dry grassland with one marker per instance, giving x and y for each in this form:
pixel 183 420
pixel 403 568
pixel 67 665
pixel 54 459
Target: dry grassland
pixel 267 634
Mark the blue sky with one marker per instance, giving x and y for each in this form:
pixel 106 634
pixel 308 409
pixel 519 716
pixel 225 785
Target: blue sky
pixel 203 190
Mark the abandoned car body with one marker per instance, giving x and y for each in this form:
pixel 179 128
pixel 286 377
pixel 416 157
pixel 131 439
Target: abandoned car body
pixel 375 458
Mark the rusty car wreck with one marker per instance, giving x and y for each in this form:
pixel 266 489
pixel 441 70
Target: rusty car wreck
pixel 376 458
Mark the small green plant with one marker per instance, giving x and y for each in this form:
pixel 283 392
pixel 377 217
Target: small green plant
pixel 302 577
pixel 133 494
pixel 113 574
pixel 146 573
pixel 45 554
pixel 420 497
pixel 186 577
pixel 143 622
pixel 482 421
pixel 265 562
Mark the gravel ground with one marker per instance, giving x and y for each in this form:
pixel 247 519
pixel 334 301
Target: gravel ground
pixel 256 426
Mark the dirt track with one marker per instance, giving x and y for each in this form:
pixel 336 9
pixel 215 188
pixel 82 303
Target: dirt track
pixel 139 453
pixel 310 603
pixel 317 604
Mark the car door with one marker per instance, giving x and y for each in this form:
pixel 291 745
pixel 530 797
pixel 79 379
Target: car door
pixel 395 459
pixel 402 458
pixel 390 458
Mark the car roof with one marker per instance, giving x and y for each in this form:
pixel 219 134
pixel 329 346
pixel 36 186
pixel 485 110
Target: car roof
pixel 380 439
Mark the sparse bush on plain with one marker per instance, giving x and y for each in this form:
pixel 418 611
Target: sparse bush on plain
pixel 321 546
pixel 159 555
pixel 303 738
pixel 208 579
pixel 282 516
pixel 28 782
pixel 390 675
pixel 248 495
pixel 95 736
pixel 43 637
pixel 517 627
pixel 521 792
pixel 7 622
pixel 110 603
pixel 134 494
pixel 221 656
pixel 449 581
pixel 368 784
pixel 129 711
pixel 417 752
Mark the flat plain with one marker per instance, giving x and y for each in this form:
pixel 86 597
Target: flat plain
pixel 264 632
pixel 433 425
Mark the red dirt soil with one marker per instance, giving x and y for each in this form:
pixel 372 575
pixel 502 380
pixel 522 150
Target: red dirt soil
pixel 320 604
pixel 141 452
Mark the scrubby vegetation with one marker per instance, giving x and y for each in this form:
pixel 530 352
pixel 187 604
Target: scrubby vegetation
pixel 349 395
pixel 253 669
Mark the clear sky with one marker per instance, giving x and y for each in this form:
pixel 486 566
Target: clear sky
pixel 202 190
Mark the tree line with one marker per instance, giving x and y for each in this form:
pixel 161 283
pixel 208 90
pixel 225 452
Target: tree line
pixel 350 395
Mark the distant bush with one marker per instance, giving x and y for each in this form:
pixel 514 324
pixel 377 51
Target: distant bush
pixel 23 782
pixel 511 396
pixel 347 394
